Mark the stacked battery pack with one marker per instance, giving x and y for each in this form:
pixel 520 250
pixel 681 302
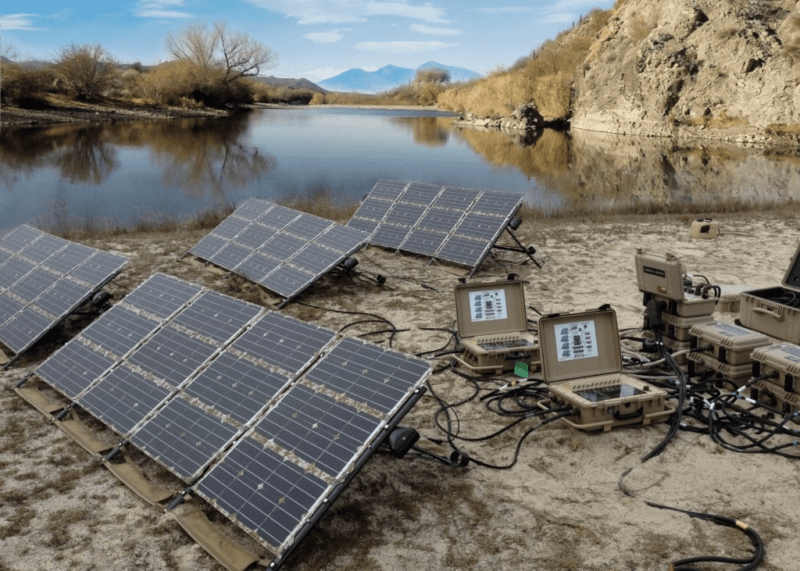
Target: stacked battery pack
pixel 729 353
pixel 660 278
pixel 778 368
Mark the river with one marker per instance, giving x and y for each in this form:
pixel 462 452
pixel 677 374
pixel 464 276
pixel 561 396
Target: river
pixel 125 171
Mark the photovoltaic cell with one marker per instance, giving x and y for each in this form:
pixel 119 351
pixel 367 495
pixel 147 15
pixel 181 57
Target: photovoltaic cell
pixel 236 387
pixel 13 271
pixel 373 209
pixel 316 259
pixel 463 251
pixel 405 214
pixel 342 239
pixel 217 316
pixel 308 227
pixel 73 368
pixel 368 374
pixel 66 260
pixel 99 268
pixel 19 237
pixel 416 212
pixel 285 281
pixel 183 437
pixel 267 241
pixel 35 284
pixel 123 398
pixel 62 297
pixel 254 236
pixel 283 341
pixel 9 307
pixel 257 267
pixel 42 248
pixel 24 328
pixel 119 331
pixel 208 246
pixel 162 295
pixel 171 355
pixel 477 226
pixel 4 256
pixel 423 242
pixel 421 193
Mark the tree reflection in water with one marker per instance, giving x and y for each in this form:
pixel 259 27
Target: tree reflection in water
pixel 202 157
pixel 428 131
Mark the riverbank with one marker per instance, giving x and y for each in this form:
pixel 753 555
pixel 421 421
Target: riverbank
pixel 559 508
pixel 56 109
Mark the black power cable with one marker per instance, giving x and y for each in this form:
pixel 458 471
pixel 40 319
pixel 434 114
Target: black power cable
pixel 749 563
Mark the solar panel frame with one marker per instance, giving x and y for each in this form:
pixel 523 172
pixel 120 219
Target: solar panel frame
pixel 262 443
pixel 483 214
pixel 266 243
pixel 60 274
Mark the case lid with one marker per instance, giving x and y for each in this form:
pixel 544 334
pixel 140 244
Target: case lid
pixel 784 357
pixel 730 336
pixel 577 345
pixel 792 277
pixel 491 308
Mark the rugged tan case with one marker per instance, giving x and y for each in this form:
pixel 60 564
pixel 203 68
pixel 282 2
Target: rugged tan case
pixel 660 275
pixel 494 345
pixel 774 396
pixel 765 309
pixel 607 403
pixel 731 344
pixel 737 374
pixel 783 359
pixel 704 229
pixel 678 327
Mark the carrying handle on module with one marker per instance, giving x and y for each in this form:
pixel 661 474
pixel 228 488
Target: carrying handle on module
pixel 769 312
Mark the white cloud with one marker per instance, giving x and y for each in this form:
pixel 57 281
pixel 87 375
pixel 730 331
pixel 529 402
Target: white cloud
pixel 322 73
pixel 340 11
pixel 161 9
pixel 403 47
pixel 423 29
pixel 503 10
pixel 559 18
pixel 17 22
pixel 324 37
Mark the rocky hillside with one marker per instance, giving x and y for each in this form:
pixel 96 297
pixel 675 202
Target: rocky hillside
pixel 721 69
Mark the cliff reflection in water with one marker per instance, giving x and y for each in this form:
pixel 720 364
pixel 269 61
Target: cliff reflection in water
pixel 202 157
pixel 595 170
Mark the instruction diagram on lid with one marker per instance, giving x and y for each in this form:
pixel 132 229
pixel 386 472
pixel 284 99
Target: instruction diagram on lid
pixel 487 305
pixel 576 340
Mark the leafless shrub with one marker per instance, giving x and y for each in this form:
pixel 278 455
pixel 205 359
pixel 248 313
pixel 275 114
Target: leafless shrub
pixel 86 69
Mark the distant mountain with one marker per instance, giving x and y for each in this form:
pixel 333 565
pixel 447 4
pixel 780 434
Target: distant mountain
pixel 388 77
pixel 301 83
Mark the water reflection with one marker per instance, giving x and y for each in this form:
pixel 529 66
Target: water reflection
pixel 590 169
pixel 202 157
pixel 428 131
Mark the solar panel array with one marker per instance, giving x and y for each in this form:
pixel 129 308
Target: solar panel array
pixel 450 223
pixel 195 378
pixel 282 249
pixel 43 279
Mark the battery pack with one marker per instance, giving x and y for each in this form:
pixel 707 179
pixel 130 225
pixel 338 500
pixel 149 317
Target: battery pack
pixel 783 360
pixel 677 327
pixel 730 298
pixel 730 343
pixel 737 374
pixel 610 401
pixel 775 397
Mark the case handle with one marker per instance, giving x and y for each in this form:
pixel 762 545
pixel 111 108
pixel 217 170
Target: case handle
pixel 635 414
pixel 769 312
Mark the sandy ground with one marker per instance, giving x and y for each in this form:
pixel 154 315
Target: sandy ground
pixel 559 508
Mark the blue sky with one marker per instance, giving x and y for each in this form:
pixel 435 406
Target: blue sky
pixel 315 39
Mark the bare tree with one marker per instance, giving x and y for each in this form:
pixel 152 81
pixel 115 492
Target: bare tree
pixel 432 75
pixel 234 54
pixel 86 69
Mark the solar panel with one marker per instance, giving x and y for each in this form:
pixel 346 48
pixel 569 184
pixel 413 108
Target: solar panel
pixel 276 477
pixel 283 250
pixel 216 404
pixel 43 279
pixel 437 221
